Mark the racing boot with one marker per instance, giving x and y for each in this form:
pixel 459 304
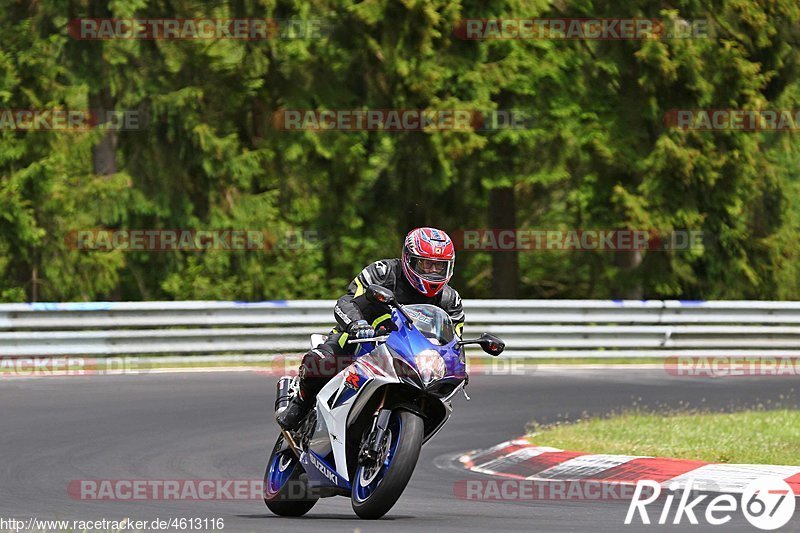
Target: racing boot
pixel 290 417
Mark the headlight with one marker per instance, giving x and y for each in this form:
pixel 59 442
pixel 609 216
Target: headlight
pixel 430 365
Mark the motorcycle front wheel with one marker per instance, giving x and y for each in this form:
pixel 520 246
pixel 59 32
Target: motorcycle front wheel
pixel 377 487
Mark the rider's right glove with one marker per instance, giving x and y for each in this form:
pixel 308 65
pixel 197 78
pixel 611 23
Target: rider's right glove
pixel 360 329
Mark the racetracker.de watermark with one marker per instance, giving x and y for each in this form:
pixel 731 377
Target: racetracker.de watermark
pixel 178 489
pixel 170 29
pixel 33 523
pixel 733 119
pixel 581 29
pixel 395 120
pixel 541 489
pixel 32 366
pixel 55 119
pixel 190 240
pixel 510 240
pixel 722 366
pixel 289 365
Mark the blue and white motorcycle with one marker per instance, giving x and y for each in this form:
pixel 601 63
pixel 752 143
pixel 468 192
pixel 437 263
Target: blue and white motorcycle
pixel 364 435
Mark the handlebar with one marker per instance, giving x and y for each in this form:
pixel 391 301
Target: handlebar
pixel 380 338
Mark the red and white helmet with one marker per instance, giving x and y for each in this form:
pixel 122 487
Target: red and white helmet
pixel 428 260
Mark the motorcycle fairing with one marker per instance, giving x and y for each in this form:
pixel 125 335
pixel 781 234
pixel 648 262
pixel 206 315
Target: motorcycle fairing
pixel 320 473
pixel 335 407
pixel 339 404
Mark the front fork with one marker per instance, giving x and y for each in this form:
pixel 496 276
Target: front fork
pixel 371 451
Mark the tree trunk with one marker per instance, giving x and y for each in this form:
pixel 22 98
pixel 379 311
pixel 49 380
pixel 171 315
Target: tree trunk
pixel 505 264
pixel 104 153
pixel 630 283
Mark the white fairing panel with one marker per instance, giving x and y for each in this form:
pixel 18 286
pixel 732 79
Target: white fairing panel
pixel 335 420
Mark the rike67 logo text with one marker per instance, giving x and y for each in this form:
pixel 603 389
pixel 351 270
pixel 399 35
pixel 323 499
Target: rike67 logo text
pixel 767 503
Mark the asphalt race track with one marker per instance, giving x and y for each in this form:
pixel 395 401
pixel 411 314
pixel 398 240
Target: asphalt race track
pixel 219 426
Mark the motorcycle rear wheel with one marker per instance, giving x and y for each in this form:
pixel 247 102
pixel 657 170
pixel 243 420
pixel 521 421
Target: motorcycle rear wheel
pixel 286 492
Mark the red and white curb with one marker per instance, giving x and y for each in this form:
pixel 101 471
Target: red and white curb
pixel 519 459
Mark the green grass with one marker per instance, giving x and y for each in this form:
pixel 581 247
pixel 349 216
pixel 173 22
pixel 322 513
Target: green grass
pixel 767 437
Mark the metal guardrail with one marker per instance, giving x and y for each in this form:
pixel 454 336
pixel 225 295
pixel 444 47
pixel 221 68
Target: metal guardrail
pixel 531 328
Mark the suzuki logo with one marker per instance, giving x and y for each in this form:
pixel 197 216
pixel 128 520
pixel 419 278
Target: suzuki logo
pixel 352 380
pixel 324 469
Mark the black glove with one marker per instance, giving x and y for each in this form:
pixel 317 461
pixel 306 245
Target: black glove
pixel 360 329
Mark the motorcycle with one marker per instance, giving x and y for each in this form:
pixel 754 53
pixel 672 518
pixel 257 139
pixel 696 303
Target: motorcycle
pixel 363 437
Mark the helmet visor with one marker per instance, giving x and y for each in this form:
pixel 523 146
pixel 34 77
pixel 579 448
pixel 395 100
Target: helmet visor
pixel 431 269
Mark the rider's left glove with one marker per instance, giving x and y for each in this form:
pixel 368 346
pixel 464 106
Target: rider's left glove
pixel 360 329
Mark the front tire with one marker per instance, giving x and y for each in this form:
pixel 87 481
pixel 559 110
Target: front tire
pixel 286 491
pixel 377 489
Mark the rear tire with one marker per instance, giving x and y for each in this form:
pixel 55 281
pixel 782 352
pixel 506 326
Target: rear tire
pixel 376 498
pixel 286 491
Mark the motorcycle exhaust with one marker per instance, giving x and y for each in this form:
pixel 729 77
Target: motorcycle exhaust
pixel 284 393
pixel 283 396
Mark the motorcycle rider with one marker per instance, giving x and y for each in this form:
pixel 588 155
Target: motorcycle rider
pixel 419 276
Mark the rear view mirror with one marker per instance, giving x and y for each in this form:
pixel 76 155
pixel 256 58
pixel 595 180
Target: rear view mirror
pixel 491 344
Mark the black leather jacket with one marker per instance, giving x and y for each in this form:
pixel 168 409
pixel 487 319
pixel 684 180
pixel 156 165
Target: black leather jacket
pixel 389 273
